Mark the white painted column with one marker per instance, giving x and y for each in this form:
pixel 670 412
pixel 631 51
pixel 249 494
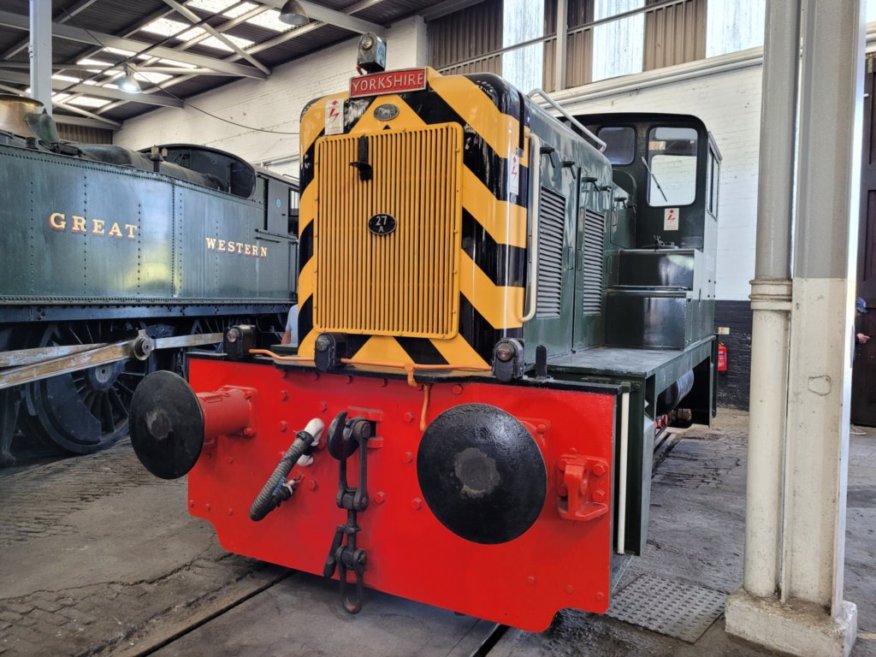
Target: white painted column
pixel 831 111
pixel 407 44
pixel 40 51
pixel 771 299
pixel 804 613
pixel 771 308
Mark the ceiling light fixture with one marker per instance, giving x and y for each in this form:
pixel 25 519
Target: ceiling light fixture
pixel 129 83
pixel 293 13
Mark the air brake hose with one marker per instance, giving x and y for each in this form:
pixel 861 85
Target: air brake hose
pixel 268 499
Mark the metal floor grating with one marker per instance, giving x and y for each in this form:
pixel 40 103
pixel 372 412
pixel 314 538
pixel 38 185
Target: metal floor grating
pixel 677 609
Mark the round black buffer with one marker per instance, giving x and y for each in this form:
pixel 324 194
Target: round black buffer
pixel 167 425
pixel 482 474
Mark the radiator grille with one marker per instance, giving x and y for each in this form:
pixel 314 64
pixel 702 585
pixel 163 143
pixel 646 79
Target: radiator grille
pixel 594 247
pixel 551 224
pixel 404 283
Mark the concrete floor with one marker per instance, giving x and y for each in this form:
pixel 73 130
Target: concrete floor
pixel 696 535
pixel 100 558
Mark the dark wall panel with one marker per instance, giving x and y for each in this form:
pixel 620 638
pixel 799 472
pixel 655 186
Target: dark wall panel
pixel 864 364
pixel 85 135
pixel 733 385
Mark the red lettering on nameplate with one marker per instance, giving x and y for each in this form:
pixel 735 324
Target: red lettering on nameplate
pixel 389 82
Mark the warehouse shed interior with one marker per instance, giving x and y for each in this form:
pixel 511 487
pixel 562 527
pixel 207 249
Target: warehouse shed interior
pixel 556 313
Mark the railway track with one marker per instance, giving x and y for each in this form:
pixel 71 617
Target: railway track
pixel 242 608
pixel 101 558
pixel 296 610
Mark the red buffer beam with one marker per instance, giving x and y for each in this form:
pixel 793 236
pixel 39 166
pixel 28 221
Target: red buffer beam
pixel 541 540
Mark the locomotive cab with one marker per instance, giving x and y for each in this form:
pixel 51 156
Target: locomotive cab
pixel 661 282
pixel 459 383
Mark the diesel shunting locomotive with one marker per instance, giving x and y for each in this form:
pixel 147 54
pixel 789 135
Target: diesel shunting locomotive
pixel 498 307
pixel 114 260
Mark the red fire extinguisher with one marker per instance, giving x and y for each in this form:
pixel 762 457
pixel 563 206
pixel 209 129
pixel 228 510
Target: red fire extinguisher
pixel 722 357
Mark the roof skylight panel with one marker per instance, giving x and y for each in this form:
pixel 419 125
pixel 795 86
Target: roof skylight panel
pixel 88 101
pixel 270 20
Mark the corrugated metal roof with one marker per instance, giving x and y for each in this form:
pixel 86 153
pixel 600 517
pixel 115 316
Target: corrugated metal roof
pixel 102 63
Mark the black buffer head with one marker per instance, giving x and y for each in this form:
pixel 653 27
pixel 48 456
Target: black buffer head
pixel 482 473
pixel 167 425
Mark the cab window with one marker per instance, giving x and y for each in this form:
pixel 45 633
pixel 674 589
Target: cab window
pixel 672 166
pixel 620 144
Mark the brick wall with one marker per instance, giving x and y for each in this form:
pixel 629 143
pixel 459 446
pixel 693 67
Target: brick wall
pixel 733 385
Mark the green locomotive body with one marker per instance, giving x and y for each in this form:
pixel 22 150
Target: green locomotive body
pixel 100 242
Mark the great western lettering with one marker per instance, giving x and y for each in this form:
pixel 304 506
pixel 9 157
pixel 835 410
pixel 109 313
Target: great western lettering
pixel 237 248
pixel 59 221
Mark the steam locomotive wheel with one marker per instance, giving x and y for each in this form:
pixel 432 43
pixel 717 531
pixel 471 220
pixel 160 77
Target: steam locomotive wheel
pixel 87 410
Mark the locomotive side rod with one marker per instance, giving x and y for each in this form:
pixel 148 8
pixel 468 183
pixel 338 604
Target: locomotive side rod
pixel 40 354
pixel 44 363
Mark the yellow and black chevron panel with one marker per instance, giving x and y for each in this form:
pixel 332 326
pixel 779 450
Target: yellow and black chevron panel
pixel 448 281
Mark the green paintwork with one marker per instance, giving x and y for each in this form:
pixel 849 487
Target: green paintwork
pixel 160 250
pixel 656 321
pixel 571 328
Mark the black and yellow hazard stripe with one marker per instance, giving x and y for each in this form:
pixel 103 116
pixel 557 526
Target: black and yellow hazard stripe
pixel 492 258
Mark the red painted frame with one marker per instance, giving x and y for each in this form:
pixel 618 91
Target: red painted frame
pixel 563 560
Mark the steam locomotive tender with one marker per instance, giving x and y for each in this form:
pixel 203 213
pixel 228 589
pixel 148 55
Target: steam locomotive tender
pixel 114 260
pixel 494 318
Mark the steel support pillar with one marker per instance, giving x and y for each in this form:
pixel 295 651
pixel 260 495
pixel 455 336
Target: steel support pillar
pixel 40 52
pixel 771 298
pixel 791 598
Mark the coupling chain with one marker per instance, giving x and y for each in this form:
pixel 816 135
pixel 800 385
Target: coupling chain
pixel 345 437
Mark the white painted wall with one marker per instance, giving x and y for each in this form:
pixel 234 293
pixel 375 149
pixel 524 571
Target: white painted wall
pixel 725 96
pixel 728 102
pixel 274 104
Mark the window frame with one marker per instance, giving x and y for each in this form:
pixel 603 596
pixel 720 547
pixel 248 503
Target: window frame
pixel 649 169
pixel 635 143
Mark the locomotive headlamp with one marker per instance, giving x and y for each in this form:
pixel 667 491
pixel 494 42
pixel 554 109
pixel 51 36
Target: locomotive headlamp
pixel 508 359
pixel 505 351
pixel 323 342
pixel 239 340
pixel 329 349
pixel 371 56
